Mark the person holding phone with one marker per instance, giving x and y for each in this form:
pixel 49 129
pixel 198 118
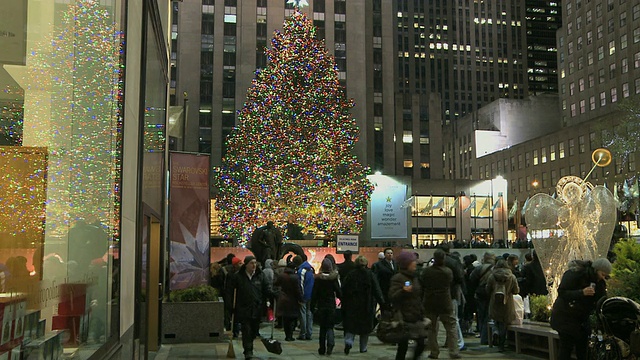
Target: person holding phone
pixel 405 294
pixel 580 289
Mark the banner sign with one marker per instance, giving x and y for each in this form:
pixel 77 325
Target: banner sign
pixel 189 220
pixel 347 242
pixel 13 32
pixel 388 216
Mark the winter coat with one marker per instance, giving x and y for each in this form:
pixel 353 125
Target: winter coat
pixel 345 268
pixel 360 291
pixel 534 281
pixel 436 286
pixel 570 313
pixel 251 293
pixel 502 311
pixel 409 303
pixel 306 275
pixel 326 288
pixel 458 276
pixel 384 272
pixel 268 270
pixel 290 294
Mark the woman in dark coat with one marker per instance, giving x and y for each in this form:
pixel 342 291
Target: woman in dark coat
pixel 405 294
pixel 360 293
pixel 289 300
pixel 580 289
pixel 323 303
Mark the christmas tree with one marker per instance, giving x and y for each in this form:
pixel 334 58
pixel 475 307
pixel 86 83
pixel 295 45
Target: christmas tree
pixel 290 154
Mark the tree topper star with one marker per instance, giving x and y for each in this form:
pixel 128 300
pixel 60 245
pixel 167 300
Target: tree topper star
pixel 298 3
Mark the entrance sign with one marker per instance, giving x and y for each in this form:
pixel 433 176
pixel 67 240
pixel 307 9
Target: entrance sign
pixel 347 242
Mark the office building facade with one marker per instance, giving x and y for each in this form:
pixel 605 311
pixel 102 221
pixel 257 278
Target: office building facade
pixel 411 68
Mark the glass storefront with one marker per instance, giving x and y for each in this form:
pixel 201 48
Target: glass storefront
pixel 61 144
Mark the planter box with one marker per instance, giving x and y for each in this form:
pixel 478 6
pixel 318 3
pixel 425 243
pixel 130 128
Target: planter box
pixel 192 322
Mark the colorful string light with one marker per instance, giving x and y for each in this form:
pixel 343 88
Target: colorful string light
pixel 73 107
pixel 291 153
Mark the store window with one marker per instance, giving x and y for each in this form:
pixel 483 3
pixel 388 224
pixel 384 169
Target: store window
pixel 60 153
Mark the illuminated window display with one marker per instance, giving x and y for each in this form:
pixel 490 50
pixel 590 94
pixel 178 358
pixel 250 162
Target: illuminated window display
pixel 60 151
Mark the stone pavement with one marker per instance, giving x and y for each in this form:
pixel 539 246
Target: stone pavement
pixel 309 349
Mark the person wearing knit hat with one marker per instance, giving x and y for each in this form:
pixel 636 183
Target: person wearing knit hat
pixel 405 294
pixel 250 289
pixel 235 261
pixel 380 255
pixel 405 259
pixel 580 289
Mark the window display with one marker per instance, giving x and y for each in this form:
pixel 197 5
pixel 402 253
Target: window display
pixel 60 151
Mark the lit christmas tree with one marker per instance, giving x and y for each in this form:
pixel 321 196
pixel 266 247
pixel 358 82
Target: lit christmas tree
pixel 290 154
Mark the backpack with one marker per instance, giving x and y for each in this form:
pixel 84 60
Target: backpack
pixel 499 296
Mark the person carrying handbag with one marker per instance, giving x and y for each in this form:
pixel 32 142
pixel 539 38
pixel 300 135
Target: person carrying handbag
pixel 405 294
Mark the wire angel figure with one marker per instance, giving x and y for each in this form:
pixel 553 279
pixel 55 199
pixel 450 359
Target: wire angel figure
pixel 578 224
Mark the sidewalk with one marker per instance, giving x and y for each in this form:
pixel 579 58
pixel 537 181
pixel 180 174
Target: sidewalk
pixel 309 349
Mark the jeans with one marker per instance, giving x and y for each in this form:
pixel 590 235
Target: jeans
pixel 568 341
pixel 502 334
pixel 327 338
pixel 457 323
pixel 403 346
pixel 349 338
pixel 483 318
pixel 306 320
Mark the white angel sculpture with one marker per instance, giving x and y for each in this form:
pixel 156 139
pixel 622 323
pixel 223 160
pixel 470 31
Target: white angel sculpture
pixel 576 225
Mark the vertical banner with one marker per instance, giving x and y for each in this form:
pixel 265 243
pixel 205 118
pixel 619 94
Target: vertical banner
pixel 388 216
pixel 13 32
pixel 189 220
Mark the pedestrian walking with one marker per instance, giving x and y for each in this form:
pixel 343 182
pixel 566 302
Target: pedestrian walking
pixel 405 294
pixel 501 286
pixel 306 276
pixel 326 288
pixel 360 291
pixel 436 282
pixel 252 290
pixel 289 299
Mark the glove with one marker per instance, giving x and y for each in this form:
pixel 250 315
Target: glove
pixel 268 304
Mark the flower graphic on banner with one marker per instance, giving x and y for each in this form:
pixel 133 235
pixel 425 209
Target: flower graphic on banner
pixel 190 260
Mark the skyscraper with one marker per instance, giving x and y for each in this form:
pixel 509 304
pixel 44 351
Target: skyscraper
pixel 544 18
pixel 412 67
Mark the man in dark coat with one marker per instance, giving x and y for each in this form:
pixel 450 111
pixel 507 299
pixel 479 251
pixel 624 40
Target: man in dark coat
pixel 384 270
pixel 252 291
pixel 345 267
pixel 436 283
pixel 580 289
pixel 360 291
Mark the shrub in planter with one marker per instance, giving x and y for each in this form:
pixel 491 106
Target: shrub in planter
pixel 625 278
pixel 193 315
pixel 540 307
pixel 197 293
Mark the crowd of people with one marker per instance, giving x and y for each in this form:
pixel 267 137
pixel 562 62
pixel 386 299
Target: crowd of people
pixel 464 294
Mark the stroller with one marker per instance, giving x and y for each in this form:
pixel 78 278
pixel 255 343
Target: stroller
pixel 618 325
